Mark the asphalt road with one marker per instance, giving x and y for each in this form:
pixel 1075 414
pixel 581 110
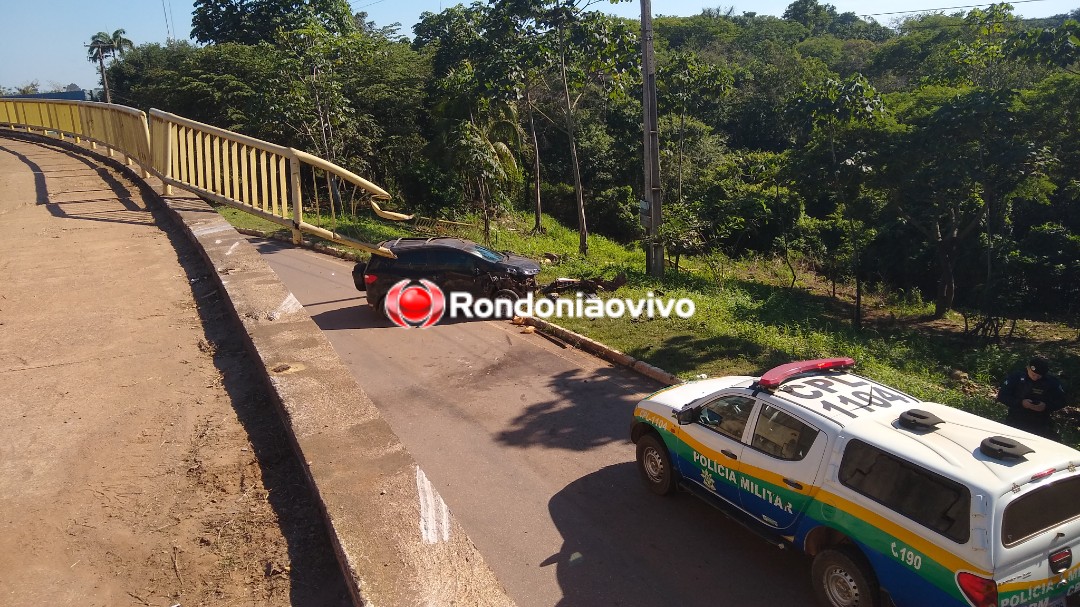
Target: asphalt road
pixel 528 445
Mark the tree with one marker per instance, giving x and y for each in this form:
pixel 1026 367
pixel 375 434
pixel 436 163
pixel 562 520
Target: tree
pixel 586 48
pixel 834 109
pixel 29 88
pixel 684 83
pixel 849 26
pixel 922 53
pixel 681 232
pixel 515 69
pixel 254 21
pixel 1056 46
pixel 982 52
pixel 954 170
pixel 226 85
pixel 477 136
pixel 479 142
pixel 104 45
pixel 815 17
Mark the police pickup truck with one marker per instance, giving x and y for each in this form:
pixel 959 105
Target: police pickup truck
pixel 898 501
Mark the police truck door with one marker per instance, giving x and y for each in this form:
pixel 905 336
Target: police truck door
pixel 781 467
pixel 714 445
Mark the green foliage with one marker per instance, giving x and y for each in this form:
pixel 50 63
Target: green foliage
pixel 815 17
pixel 773 134
pixel 255 21
pixel 219 85
pixel 1056 46
pixel 681 234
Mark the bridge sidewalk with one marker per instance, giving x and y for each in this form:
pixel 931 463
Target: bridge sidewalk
pixel 106 376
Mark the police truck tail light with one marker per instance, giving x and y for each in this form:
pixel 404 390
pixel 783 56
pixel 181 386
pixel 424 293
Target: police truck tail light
pixel 980 591
pixel 1041 475
pixel 370 278
pixel 1061 561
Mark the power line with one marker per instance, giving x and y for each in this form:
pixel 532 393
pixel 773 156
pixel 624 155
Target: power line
pixel 944 8
pixel 172 17
pixel 168 30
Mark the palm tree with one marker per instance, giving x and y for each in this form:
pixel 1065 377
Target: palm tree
pixel 485 155
pixel 103 45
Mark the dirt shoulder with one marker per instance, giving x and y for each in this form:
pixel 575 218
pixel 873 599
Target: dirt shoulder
pixel 142 461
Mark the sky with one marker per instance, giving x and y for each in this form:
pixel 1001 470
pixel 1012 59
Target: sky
pixel 44 40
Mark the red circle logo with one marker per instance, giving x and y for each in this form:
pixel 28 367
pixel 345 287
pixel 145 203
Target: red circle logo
pixel 415 304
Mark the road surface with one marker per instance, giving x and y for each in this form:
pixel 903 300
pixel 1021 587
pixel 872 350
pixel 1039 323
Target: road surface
pixel 528 445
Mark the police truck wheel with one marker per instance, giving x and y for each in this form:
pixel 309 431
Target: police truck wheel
pixel 654 464
pixel 842 578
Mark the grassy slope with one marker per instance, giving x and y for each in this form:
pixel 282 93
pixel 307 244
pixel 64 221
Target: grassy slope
pixel 748 320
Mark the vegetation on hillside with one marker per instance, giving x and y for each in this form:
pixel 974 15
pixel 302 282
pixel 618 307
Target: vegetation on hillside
pixel 815 166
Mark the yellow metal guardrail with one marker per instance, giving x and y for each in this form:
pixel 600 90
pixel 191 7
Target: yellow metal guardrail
pixel 118 128
pixel 249 174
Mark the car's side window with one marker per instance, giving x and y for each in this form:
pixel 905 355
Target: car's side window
pixel 405 262
pixel 457 261
pixel 781 435
pixel 726 415
pixel 925 497
pixel 425 260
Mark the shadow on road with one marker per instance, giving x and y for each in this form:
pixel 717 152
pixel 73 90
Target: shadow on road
pixel 613 528
pixel 593 408
pixel 90 205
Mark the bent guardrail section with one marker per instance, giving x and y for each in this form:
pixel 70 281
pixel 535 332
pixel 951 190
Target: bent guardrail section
pixel 254 176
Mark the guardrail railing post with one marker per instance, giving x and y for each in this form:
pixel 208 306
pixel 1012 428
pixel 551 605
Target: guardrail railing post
pixel 167 162
pixel 296 198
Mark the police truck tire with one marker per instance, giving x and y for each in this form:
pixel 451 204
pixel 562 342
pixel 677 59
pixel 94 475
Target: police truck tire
pixel 654 464
pixel 842 578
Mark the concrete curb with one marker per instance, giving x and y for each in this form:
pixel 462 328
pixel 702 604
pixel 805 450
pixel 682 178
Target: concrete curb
pixel 368 486
pixel 603 351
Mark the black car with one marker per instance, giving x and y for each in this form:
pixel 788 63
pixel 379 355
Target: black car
pixel 455 265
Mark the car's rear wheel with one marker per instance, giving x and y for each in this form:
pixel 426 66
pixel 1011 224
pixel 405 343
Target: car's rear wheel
pixel 380 308
pixel 842 578
pixel 654 464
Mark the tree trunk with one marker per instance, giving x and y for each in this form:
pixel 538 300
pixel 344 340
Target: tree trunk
pixel 482 188
pixel 104 78
pixel 538 226
pixel 857 320
pixel 682 141
pixel 583 231
pixel 946 291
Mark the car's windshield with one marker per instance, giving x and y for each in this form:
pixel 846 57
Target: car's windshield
pixel 488 254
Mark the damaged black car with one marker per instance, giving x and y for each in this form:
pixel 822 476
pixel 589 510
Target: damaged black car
pixel 454 264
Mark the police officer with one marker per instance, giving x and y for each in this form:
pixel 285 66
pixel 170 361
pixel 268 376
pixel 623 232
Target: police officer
pixel 1032 395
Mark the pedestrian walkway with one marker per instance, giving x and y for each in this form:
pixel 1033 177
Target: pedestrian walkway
pixel 127 467
pixel 138 464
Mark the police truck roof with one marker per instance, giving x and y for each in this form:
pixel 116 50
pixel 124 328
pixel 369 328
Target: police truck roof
pixel 937 436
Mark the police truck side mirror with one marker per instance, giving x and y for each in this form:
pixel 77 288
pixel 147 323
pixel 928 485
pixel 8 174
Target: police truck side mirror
pixel 686 416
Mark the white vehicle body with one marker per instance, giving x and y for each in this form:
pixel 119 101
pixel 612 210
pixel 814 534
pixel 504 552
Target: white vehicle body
pixel 928 504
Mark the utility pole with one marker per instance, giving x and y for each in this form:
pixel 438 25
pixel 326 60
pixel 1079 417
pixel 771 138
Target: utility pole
pixel 650 211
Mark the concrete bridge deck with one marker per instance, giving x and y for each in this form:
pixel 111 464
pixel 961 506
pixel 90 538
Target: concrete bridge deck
pixel 132 425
